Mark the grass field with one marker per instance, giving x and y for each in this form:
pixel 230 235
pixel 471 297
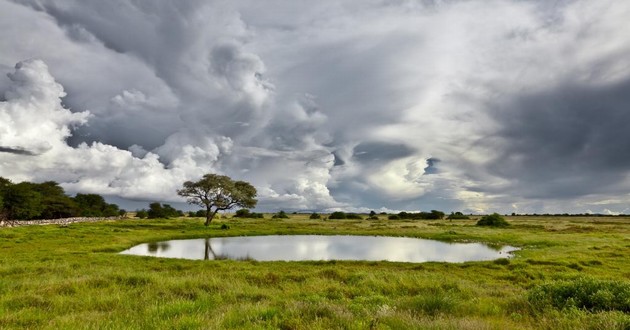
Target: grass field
pixel 72 277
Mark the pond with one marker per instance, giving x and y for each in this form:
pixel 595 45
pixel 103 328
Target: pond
pixel 321 247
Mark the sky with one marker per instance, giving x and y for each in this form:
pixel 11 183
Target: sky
pixel 476 106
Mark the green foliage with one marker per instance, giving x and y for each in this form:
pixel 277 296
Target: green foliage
pixel 337 215
pixel 162 211
pixel 315 216
pixel 433 215
pixel 393 217
pixel 457 216
pixel 353 216
pixel 492 220
pixel 583 293
pixel 22 201
pixel 218 193
pixel 55 203
pixel 142 214
pixel 47 200
pixel 245 213
pixel 280 215
pixel 242 213
pixel 93 205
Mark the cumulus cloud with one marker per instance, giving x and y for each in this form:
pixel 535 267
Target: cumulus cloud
pixel 478 106
pixel 34 129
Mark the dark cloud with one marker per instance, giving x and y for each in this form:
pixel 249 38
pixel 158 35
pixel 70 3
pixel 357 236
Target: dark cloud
pixel 370 152
pixel 431 166
pixel 564 142
pixel 17 151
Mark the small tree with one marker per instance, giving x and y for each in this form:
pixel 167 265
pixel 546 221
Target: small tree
pixel 315 216
pixel 218 193
pixel 142 214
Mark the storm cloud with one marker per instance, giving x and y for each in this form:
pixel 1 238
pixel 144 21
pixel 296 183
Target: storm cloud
pixel 474 106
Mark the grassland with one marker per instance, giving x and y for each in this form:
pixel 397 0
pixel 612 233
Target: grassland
pixel 72 277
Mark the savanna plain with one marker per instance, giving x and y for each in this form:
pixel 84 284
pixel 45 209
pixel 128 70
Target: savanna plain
pixel 571 273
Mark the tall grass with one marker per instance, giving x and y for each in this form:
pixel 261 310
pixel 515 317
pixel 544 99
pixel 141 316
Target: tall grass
pixel 72 278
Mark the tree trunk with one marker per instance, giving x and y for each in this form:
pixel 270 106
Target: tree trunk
pixel 209 216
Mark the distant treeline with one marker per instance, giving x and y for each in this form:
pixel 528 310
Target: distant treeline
pixel 47 200
pixel 568 215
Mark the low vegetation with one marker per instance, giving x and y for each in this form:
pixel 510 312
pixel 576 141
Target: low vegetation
pixel 492 220
pixel 583 293
pixel 68 277
pixel 280 215
pixel 247 214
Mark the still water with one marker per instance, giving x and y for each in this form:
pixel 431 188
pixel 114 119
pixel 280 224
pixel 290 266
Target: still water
pixel 321 247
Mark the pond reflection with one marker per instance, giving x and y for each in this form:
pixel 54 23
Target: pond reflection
pixel 320 247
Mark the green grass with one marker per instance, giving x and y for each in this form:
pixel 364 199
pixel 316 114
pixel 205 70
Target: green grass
pixel 72 277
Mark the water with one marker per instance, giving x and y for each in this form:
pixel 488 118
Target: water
pixel 321 247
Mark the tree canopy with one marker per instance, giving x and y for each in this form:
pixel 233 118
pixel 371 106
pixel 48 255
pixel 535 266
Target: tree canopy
pixel 218 193
pixel 48 200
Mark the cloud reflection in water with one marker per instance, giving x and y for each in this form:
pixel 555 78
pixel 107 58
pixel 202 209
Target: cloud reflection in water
pixel 320 247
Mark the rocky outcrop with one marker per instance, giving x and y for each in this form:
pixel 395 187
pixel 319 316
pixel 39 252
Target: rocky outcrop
pixel 62 222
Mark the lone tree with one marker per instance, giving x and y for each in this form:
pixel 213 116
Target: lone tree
pixel 217 193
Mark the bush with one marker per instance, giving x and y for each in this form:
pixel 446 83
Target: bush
pixel 337 215
pixel 354 216
pixel 142 214
pixel 393 217
pixel 280 215
pixel 158 210
pixel 457 216
pixel 242 213
pixel 433 215
pixel 584 293
pixel 315 216
pixel 492 220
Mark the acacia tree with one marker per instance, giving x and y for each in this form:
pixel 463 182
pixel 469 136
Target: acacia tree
pixel 218 193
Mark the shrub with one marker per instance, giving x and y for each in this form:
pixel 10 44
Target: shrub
pixel 337 215
pixel 142 214
pixel 315 216
pixel 492 220
pixel 354 216
pixel 583 292
pixel 457 216
pixel 393 217
pixel 242 213
pixel 280 215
